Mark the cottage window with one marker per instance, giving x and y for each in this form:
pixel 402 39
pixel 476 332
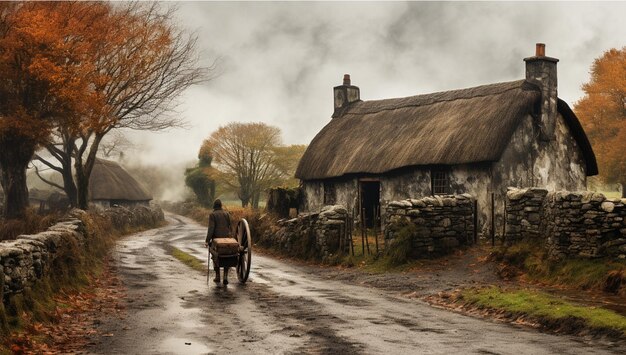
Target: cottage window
pixel 440 181
pixel 330 194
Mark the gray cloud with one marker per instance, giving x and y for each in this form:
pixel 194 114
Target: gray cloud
pixel 279 61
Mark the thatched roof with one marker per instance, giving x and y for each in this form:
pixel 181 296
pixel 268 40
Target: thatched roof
pixel 109 181
pixel 445 128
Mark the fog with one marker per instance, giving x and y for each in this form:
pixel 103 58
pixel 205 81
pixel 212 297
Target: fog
pixel 278 62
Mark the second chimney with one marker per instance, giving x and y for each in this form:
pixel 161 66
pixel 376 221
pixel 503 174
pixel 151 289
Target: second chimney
pixel 541 70
pixel 345 95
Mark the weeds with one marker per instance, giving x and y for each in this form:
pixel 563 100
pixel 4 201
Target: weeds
pixel 188 259
pixel 31 223
pixel 399 251
pixel 599 274
pixel 546 308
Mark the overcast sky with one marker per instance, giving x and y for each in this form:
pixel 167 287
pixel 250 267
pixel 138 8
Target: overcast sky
pixel 278 62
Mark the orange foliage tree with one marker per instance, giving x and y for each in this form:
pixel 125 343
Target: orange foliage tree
pixel 603 114
pixel 141 66
pixel 46 77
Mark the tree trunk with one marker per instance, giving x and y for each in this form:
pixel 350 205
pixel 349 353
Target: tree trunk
pixel 244 201
pixel 244 195
pixel 623 189
pixel 70 188
pixel 83 171
pixel 15 155
pixel 82 187
pixel 255 200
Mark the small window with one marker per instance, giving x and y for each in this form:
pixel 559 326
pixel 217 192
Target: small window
pixel 330 195
pixel 440 181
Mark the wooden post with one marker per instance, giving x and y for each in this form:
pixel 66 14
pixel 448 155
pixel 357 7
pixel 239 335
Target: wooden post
pixel 362 233
pixel 475 221
pixel 493 219
pixel 504 222
pixel 367 240
pixel 342 234
pixel 376 219
pixel 350 231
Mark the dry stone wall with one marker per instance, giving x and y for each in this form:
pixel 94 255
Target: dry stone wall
pixel 312 235
pixel 443 222
pixel 524 209
pixel 579 224
pixel 32 257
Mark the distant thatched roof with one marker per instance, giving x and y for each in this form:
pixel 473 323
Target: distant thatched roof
pixel 109 181
pixel 452 127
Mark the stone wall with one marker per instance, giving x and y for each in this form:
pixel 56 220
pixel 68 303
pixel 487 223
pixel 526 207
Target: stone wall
pixel 32 257
pixel 443 222
pixel 29 257
pixel 311 235
pixel 524 209
pixel 580 224
pixel 123 218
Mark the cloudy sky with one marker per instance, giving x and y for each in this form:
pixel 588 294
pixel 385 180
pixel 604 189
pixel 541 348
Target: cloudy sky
pixel 278 62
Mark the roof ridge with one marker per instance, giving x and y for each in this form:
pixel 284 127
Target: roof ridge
pixel 380 109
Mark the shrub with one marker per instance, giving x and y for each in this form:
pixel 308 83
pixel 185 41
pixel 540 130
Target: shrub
pixel 32 223
pixel 400 249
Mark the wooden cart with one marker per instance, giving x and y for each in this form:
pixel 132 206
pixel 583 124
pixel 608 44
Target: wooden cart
pixel 233 252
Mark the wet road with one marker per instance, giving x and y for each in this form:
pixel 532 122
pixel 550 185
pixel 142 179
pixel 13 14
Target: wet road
pixel 288 309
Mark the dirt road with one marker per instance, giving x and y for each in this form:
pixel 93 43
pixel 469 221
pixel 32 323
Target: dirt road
pixel 288 309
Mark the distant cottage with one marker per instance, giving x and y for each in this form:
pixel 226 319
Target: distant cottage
pixel 479 140
pixel 110 185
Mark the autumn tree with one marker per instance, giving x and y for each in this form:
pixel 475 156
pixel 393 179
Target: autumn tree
pixel 45 79
pixel 141 66
pixel 200 178
pixel 251 158
pixel 287 159
pixel 602 112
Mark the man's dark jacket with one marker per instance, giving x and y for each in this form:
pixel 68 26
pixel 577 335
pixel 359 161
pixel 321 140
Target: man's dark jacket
pixel 219 225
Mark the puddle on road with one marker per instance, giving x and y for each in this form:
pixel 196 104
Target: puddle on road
pixel 184 346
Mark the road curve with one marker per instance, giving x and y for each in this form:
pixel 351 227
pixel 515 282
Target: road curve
pixel 286 309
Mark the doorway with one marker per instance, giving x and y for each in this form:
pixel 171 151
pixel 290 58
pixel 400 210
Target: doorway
pixel 370 203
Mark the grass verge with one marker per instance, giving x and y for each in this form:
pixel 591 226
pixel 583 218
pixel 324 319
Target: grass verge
pixel 550 312
pixel 531 261
pixel 188 259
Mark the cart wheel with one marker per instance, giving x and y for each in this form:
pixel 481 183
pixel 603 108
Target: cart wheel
pixel 245 256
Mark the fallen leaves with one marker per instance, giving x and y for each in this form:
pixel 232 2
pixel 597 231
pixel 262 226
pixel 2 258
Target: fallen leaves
pixel 76 319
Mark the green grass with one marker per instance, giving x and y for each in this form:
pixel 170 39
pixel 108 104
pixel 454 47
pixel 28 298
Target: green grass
pixel 574 272
pixel 542 305
pixel 188 259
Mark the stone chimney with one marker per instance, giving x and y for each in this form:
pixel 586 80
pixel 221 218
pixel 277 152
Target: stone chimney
pixel 541 70
pixel 345 95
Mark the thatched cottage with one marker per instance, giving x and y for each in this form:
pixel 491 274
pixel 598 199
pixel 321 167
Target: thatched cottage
pixel 479 140
pixel 110 185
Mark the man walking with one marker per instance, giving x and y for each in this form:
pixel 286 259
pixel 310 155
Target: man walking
pixel 219 227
